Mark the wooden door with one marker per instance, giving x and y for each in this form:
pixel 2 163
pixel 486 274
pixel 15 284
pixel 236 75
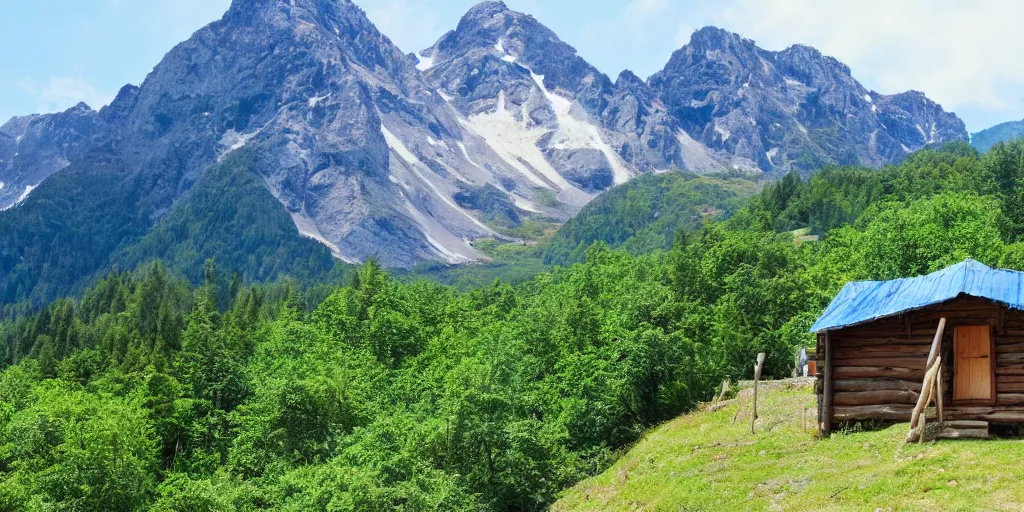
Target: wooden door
pixel 972 367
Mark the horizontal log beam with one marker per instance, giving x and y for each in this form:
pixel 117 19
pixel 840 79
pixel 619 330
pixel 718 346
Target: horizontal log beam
pixel 913 363
pixel 877 385
pixel 869 341
pixel 844 352
pixel 873 412
pixel 875 397
pixel 1010 348
pixel 861 372
pixel 1010 399
pixel 993 415
pixel 1010 359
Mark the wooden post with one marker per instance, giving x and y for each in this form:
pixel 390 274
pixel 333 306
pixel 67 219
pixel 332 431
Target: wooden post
pixel 920 440
pixel 938 395
pixel 757 377
pixel 826 398
pixel 725 389
pixel 936 343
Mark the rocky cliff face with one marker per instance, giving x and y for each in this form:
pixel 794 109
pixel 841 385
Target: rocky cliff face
pixel 34 147
pixel 407 158
pixel 791 110
pixel 367 158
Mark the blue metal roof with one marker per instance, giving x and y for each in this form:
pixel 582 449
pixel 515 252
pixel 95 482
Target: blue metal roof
pixel 866 301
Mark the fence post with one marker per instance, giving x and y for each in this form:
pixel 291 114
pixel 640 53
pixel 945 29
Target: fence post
pixel 757 378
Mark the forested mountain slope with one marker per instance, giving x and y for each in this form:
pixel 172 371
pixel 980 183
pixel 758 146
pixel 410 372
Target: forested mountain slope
pixel 1003 132
pixel 152 394
pixel 644 215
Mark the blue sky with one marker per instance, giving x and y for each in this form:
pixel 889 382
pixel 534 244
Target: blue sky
pixel 964 55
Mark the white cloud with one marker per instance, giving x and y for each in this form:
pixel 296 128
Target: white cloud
pixel 61 93
pixel 646 7
pixel 962 54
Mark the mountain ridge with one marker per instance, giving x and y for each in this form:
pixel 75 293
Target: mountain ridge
pixel 407 158
pixel 985 139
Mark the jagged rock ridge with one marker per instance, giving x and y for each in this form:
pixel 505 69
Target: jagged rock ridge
pixel 408 158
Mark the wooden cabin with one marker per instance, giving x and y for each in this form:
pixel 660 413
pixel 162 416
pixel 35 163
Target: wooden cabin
pixel 943 348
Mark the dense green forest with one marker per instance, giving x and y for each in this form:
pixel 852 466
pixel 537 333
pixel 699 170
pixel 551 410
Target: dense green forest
pixel 149 393
pixel 97 216
pixel 644 215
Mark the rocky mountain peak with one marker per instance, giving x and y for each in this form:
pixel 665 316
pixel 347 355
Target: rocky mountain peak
pixel 484 11
pixel 376 153
pixel 809 66
pixel 629 79
pixel 254 10
pixel 714 38
pixel 780 111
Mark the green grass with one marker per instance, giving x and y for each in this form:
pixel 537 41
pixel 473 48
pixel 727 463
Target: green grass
pixel 705 461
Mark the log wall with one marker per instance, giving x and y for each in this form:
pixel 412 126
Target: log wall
pixel 878 367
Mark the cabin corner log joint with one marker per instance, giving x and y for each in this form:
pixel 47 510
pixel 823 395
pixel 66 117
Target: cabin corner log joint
pixel 888 350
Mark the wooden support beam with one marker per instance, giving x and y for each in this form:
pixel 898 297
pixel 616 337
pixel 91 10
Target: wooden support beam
pixel 918 417
pixel 936 343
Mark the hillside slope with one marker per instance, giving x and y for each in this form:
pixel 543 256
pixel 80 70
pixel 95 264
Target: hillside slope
pixel 711 461
pixel 643 215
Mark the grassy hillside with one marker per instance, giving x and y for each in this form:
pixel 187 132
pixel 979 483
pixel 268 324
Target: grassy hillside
pixel 708 461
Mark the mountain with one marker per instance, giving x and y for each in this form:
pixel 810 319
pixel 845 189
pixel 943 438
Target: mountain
pixel 791 110
pixel 985 139
pixel 34 147
pixel 374 153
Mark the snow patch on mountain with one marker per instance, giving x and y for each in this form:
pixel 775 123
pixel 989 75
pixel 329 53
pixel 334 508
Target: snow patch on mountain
pixel 573 133
pixel 314 101
pixel 516 144
pixel 424 63
pixel 500 48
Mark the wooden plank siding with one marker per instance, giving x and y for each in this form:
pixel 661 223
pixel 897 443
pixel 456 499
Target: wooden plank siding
pixel 878 367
